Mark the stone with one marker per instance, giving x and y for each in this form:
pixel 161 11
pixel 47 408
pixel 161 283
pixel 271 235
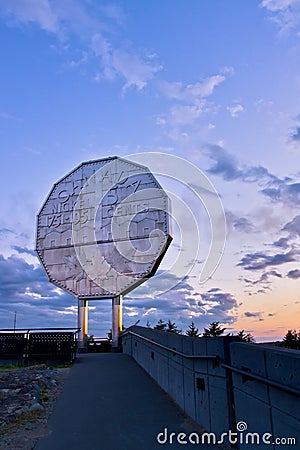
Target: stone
pixel 36 407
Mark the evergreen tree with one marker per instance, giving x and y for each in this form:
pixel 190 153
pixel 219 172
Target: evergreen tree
pixel 161 325
pixel 214 330
pixel 192 331
pixel 245 337
pixel 291 340
pixel 172 328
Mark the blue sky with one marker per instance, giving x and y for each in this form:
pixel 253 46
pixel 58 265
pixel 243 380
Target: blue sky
pixel 214 82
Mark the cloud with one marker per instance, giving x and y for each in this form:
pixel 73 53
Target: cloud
pixel 184 114
pixel 235 110
pixel 137 72
pixel 285 13
pixel 68 18
pixel 19 279
pixel 213 290
pixel 225 164
pixel 38 11
pixel 294 274
pixel 295 137
pixel 282 243
pixel 6 231
pixel 243 225
pixel 240 224
pixel 260 260
pixel 184 304
pixel 25 250
pixel 24 289
pixel 114 12
pixel 191 92
pixel 283 190
pixel 221 303
pixel 264 278
pixel 254 315
pixel 293 227
pixel 190 101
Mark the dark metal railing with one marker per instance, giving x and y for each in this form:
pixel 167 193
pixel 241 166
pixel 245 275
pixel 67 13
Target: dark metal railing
pixel 27 330
pixel 30 344
pixel 266 381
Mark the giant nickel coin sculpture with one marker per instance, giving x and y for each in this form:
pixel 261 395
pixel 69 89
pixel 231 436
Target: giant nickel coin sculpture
pixel 103 230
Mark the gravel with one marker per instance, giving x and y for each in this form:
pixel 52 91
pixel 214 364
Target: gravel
pixel 27 398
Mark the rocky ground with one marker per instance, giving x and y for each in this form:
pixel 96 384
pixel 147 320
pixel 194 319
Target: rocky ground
pixel 27 398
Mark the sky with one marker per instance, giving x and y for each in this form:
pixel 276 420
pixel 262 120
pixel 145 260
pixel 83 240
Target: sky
pixel 214 82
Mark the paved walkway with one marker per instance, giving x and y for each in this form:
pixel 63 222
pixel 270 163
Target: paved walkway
pixel 108 402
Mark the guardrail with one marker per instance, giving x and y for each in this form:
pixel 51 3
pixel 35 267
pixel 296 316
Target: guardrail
pixel 172 350
pixel 38 344
pixel 221 382
pixel 266 381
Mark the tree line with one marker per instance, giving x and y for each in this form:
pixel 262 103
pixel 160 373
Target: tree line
pixel 290 340
pixel 214 329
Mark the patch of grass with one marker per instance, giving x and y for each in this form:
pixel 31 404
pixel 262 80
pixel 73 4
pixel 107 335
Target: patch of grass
pixel 62 365
pixel 4 430
pixel 12 367
pixel 44 397
pixel 21 419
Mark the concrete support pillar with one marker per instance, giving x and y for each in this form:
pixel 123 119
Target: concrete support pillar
pixel 116 323
pixel 83 324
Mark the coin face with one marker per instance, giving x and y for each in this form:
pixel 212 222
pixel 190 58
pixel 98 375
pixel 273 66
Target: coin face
pixel 103 228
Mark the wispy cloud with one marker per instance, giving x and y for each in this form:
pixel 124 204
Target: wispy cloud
pixel 228 167
pixel 136 71
pixel 6 231
pixel 23 250
pixel 191 92
pixel 254 315
pixel 225 164
pixel 295 136
pixel 235 110
pixel 240 224
pixel 183 304
pixel 293 227
pixel 264 278
pixel 282 242
pixel 285 13
pixel 72 17
pixel 189 101
pixel 283 191
pixel 35 11
pixel 261 260
pixel 243 225
pixel 277 189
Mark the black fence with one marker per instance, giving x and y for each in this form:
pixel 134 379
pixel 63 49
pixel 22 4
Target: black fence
pixel 38 345
pixel 12 345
